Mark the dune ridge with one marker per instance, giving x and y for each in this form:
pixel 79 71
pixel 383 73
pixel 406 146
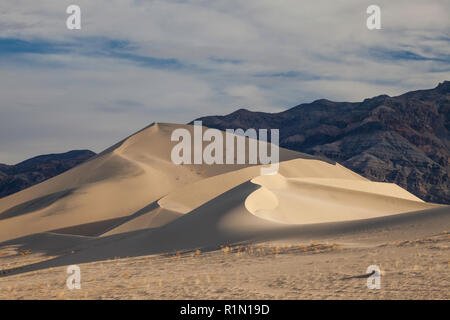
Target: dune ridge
pixel 131 200
pixel 318 200
pixel 117 183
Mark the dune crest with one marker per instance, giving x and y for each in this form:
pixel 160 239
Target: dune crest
pixel 309 200
pixel 107 190
pixel 132 200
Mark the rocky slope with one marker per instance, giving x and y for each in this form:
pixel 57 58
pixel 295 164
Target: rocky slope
pixel 14 178
pixel 403 139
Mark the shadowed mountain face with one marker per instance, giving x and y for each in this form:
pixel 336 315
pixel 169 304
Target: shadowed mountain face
pixel 14 178
pixel 403 139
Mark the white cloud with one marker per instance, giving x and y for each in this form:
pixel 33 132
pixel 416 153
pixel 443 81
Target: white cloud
pixel 260 54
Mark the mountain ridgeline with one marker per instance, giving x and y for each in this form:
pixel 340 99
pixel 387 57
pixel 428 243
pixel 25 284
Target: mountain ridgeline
pixel 14 178
pixel 403 139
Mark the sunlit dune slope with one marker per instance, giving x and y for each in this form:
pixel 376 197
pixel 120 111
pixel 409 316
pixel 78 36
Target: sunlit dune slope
pixel 134 185
pixel 104 192
pixel 317 200
pixel 186 198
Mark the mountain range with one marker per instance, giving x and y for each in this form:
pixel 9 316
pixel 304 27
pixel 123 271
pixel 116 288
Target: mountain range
pixel 14 178
pixel 403 139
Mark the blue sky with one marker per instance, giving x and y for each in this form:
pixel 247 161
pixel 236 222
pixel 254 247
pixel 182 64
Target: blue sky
pixel 136 62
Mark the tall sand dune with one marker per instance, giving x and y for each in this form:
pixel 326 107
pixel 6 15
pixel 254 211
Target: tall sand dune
pixel 119 182
pixel 132 200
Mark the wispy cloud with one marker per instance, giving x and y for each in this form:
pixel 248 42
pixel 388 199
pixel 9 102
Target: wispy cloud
pixel 292 74
pixel 14 46
pixel 225 60
pixel 402 55
pixel 94 47
pixel 135 62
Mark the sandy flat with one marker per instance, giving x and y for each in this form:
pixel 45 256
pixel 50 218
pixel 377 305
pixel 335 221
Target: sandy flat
pixel 413 257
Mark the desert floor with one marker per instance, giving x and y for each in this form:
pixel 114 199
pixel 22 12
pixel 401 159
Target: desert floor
pixel 411 269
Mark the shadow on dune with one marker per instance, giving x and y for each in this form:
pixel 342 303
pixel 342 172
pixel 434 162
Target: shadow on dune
pixel 35 204
pixel 152 206
pixel 92 229
pixel 225 221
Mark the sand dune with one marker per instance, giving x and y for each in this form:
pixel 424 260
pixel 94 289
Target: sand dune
pixel 186 198
pixel 318 200
pixel 131 200
pixel 208 228
pixel 117 183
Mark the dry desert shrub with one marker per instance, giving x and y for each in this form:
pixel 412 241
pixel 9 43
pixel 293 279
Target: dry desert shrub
pixel 24 252
pixel 226 250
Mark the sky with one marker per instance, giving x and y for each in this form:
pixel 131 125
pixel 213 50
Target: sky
pixel 135 62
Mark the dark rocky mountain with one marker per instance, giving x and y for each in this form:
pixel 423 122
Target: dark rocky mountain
pixel 403 139
pixel 14 178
